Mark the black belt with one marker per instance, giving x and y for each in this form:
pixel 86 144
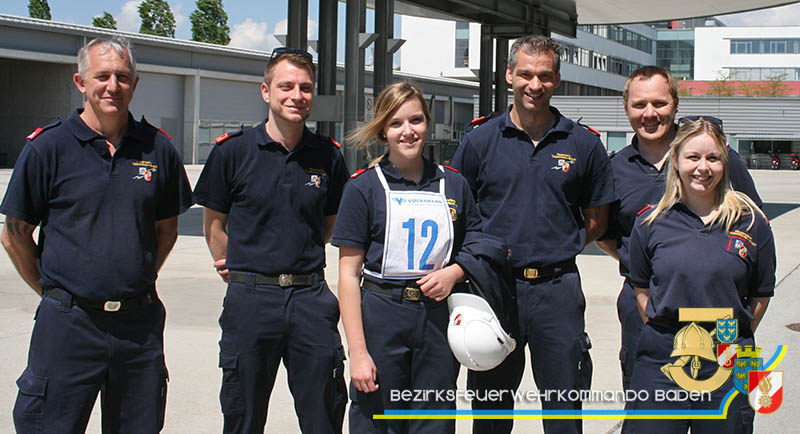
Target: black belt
pixel 546 272
pixel 282 280
pixel 410 293
pixel 140 300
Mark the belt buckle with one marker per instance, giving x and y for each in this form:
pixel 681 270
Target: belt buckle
pixel 112 306
pixel 285 280
pixel 531 273
pixel 411 294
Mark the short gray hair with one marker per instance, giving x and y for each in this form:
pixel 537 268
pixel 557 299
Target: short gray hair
pixel 120 45
pixel 535 44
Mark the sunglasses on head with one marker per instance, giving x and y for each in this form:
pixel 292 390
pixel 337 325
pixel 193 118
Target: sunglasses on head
pixel 712 119
pixel 280 51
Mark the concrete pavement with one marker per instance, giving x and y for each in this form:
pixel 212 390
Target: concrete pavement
pixel 193 295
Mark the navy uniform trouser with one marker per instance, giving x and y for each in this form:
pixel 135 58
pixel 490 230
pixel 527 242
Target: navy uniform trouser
pixel 407 341
pixel 654 348
pixel 551 316
pixel 262 324
pixel 631 325
pixel 76 353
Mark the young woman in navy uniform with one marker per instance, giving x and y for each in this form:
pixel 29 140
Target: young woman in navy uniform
pixel 400 227
pixel 699 214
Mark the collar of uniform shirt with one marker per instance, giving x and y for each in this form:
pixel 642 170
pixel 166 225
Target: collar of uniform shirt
pixel 561 125
pixel 430 172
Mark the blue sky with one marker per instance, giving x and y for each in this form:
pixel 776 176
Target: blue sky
pixel 253 23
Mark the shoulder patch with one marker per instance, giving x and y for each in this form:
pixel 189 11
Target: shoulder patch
pixel 162 132
pixel 481 120
pixel 597 133
pixel 335 143
pixel 35 133
pixel 644 209
pixel 448 167
pixel 227 136
pixel 357 173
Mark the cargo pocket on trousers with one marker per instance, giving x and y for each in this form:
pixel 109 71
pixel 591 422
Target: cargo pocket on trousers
pixel 230 394
pixel 29 408
pixel 163 399
pixel 336 390
pixel 583 346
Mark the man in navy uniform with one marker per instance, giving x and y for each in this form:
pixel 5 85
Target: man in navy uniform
pixel 271 195
pixel 543 183
pixel 106 191
pixel 650 98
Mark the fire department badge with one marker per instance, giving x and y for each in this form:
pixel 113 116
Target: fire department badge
pixel 315 181
pixel 726 355
pixel 766 390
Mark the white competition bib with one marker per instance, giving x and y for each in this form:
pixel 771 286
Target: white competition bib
pixel 419 232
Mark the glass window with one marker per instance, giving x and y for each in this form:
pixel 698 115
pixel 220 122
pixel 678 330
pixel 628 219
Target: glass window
pixel 616 140
pixel 462 44
pixel 462 30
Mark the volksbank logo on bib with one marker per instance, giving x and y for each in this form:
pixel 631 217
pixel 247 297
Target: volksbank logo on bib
pixel 402 201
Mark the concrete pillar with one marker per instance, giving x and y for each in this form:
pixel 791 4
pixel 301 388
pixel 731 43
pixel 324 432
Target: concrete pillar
pixel 500 87
pixel 485 75
pixel 326 61
pixel 297 27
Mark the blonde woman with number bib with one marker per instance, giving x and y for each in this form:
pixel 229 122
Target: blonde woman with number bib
pixel 400 228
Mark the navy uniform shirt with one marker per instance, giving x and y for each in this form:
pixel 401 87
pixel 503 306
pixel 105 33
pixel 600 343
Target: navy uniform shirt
pixel 638 183
pixel 97 212
pixel 686 263
pixel 361 223
pixel 276 200
pixel 532 196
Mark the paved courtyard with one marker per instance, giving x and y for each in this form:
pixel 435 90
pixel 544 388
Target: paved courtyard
pixel 193 293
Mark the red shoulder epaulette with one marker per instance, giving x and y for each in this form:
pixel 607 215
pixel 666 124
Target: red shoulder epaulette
pixel 644 209
pixel 35 133
pixel 357 173
pixel 590 129
pixel 478 121
pixel 223 138
pixel 448 167
pixel 40 130
pixel 162 132
pixel 335 143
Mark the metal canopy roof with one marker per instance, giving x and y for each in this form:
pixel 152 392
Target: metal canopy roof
pixel 562 15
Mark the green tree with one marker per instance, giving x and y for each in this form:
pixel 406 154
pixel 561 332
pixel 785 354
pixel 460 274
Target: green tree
pixel 210 23
pixel 749 88
pixel 721 87
pixel 107 21
pixel 39 9
pixel 157 18
pixel 775 86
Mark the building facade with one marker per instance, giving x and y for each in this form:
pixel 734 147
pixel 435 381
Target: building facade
pixel 596 62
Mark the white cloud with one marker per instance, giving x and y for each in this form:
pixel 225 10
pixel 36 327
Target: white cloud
pixel 282 28
pixel 256 36
pixel 252 35
pixel 779 16
pixel 129 21
pixel 180 19
pixel 128 18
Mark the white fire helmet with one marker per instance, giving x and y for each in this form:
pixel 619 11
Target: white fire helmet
pixel 474 333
